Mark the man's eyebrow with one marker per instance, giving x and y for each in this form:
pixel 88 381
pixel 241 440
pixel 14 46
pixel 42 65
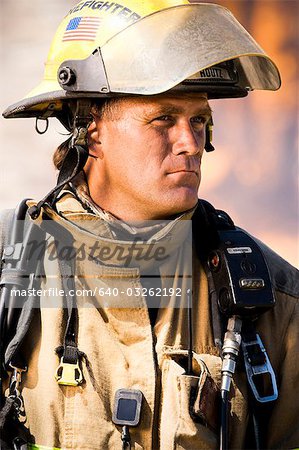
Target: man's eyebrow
pixel 207 111
pixel 171 109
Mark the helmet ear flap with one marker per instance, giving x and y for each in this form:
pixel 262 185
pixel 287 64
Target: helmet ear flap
pixel 209 135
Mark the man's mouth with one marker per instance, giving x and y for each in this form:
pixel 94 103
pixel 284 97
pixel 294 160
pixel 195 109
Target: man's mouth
pixel 187 171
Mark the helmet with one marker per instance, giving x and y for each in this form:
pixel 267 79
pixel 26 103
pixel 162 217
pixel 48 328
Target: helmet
pixel 104 49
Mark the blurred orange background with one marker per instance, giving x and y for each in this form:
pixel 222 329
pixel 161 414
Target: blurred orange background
pixel 253 174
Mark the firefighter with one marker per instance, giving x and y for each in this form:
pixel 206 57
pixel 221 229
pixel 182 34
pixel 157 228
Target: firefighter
pixel 114 341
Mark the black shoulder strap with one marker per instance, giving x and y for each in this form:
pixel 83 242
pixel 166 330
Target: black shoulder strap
pixel 206 222
pixel 11 255
pixel 18 273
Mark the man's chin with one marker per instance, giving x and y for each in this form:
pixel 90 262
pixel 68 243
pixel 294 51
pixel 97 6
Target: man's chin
pixel 181 204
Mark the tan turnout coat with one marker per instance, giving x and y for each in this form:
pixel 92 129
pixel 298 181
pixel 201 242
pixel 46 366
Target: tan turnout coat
pixel 125 352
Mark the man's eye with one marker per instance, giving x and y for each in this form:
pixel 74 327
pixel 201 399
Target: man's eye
pixel 163 118
pixel 199 119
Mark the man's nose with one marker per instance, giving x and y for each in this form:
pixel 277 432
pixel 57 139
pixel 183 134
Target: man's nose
pixel 187 140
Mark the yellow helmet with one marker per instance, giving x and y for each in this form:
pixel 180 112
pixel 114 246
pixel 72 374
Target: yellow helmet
pixel 145 47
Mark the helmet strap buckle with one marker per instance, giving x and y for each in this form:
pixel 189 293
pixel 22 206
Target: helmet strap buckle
pixel 82 120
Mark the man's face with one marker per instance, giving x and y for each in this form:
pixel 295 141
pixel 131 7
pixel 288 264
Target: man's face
pixel 149 155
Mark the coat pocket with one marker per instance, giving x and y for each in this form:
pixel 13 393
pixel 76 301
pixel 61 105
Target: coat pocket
pixel 189 408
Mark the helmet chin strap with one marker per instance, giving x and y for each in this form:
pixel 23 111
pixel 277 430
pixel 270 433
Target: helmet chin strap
pixel 209 131
pixel 75 158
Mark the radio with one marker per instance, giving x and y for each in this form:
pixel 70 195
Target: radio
pixel 240 274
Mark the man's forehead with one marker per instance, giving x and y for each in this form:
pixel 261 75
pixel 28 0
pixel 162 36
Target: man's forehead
pixel 145 106
pixel 178 101
pixel 178 104
pixel 196 97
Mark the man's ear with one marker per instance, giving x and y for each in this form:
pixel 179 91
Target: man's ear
pixel 94 143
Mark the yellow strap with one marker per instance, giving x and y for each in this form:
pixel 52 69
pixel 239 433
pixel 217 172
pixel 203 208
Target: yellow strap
pixel 41 447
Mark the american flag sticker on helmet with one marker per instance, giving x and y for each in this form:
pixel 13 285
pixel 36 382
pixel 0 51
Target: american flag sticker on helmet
pixel 81 29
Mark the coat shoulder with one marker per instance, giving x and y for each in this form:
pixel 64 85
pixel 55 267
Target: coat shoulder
pixel 5 224
pixel 284 276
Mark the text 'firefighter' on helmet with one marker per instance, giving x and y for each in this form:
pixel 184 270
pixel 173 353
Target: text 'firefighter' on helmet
pixel 105 49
